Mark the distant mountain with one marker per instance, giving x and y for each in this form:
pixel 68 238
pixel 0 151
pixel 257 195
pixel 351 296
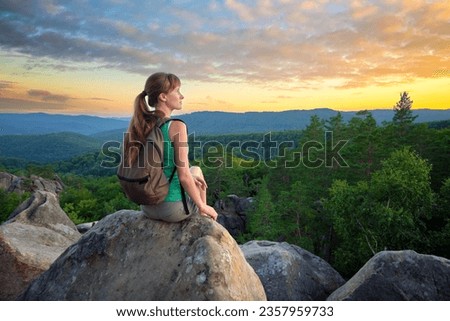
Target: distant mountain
pixel 41 123
pixel 252 122
pixel 63 145
pixel 199 122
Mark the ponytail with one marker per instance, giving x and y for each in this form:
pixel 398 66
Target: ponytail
pixel 141 124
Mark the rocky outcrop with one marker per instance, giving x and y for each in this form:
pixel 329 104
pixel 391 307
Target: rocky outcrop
pixel 43 209
pixel 126 256
pixel 399 276
pixel 13 183
pixel 10 182
pixel 232 213
pixel 54 186
pixel 290 273
pixel 37 232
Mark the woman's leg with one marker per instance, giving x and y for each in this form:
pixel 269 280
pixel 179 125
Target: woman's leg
pixel 197 172
pixel 168 211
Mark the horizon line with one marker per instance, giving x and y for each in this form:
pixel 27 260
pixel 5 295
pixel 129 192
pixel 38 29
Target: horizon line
pixel 218 111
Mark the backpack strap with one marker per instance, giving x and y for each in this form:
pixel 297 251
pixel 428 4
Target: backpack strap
pixel 183 193
pixel 183 198
pixel 173 174
pixel 161 122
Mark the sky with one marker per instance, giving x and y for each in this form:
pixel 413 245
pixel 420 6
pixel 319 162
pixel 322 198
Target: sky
pixel 93 56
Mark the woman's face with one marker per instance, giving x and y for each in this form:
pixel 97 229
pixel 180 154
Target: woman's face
pixel 174 99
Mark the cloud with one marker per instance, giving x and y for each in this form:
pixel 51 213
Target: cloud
pixel 361 10
pixel 99 99
pixel 7 88
pixel 291 44
pixel 5 84
pixel 47 96
pixel 23 105
pixel 243 11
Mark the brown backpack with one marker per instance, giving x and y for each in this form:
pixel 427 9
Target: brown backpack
pixel 144 182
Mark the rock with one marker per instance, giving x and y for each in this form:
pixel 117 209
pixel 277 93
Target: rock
pixel 84 227
pixel 12 183
pixel 242 204
pixel 232 213
pixel 31 240
pixel 126 256
pixel 290 273
pixel 54 186
pixel 398 276
pixel 43 209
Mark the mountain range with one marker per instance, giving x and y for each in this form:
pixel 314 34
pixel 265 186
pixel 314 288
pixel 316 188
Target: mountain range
pixel 202 123
pixel 46 138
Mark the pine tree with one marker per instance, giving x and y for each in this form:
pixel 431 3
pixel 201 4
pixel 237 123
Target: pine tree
pixel 403 114
pixel 403 118
pixel 265 222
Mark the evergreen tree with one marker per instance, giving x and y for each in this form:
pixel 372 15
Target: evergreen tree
pixel 336 125
pixel 265 222
pixel 403 117
pixel 365 148
pixel 403 113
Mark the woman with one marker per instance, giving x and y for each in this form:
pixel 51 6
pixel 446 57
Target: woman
pixel 163 93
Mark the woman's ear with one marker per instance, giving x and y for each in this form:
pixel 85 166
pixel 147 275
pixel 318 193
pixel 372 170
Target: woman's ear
pixel 162 97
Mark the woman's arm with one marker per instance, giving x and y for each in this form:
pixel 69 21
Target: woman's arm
pixel 178 135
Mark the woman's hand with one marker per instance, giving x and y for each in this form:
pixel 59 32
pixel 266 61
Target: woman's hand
pixel 205 210
pixel 200 182
pixel 208 211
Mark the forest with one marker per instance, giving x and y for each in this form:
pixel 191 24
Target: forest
pixel 342 190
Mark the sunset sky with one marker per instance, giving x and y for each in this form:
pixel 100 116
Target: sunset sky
pixel 93 57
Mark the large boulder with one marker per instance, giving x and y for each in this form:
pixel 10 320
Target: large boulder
pixel 232 213
pixel 398 276
pixel 37 232
pixel 290 273
pixel 127 256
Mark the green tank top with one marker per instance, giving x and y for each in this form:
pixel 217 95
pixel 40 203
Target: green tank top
pixel 174 194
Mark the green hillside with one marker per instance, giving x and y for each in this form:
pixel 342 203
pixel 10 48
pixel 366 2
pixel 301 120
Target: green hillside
pixel 47 148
